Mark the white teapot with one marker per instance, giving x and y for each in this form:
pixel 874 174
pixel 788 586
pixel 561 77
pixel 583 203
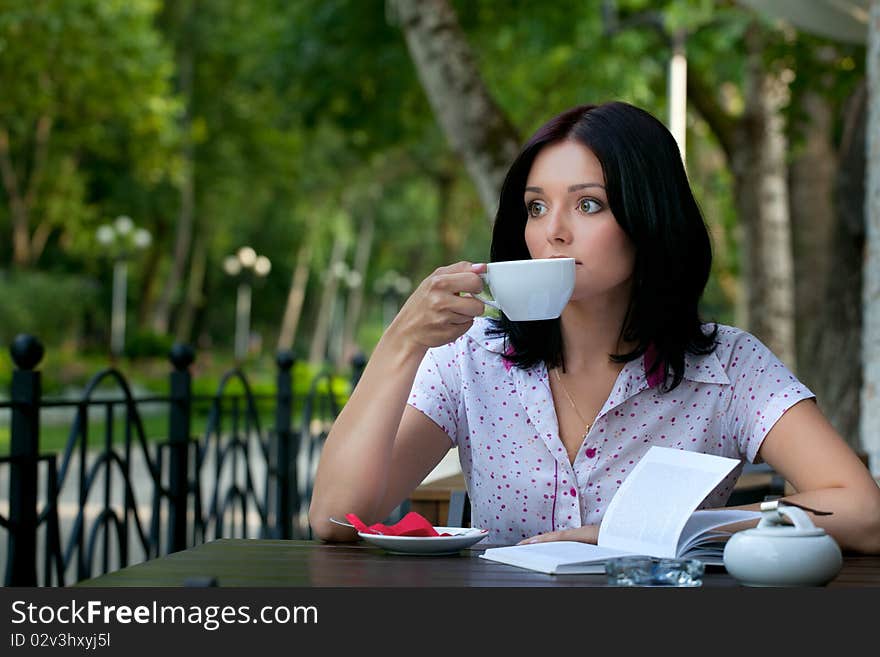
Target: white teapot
pixel 779 554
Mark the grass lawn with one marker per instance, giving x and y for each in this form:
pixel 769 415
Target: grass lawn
pixel 55 430
pixel 54 437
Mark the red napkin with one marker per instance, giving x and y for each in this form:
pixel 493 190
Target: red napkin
pixel 412 524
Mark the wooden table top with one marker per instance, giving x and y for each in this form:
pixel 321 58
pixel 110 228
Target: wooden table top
pixel 273 563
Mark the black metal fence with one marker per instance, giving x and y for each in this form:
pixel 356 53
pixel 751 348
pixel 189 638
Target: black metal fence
pixel 116 500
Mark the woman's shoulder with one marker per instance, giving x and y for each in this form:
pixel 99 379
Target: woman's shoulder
pixel 734 345
pixel 728 336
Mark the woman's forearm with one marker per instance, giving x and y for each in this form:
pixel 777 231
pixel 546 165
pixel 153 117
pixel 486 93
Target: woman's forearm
pixel 354 466
pixel 854 521
pixel 855 516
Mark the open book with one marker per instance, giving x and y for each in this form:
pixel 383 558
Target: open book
pixel 652 514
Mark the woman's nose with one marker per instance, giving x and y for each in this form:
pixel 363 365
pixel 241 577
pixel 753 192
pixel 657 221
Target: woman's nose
pixel 558 229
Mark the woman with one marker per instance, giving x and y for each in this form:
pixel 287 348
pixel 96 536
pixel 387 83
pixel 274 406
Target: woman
pixel 549 417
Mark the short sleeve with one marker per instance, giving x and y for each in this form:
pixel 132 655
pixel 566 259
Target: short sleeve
pixel 763 390
pixel 436 391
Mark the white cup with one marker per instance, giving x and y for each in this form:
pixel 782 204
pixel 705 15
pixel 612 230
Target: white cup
pixel 529 290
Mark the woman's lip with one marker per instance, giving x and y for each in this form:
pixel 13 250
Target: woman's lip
pixel 577 262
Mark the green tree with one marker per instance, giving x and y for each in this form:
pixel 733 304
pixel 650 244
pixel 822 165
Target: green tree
pixel 82 81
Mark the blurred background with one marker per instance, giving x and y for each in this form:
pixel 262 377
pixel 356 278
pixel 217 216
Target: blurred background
pixel 254 175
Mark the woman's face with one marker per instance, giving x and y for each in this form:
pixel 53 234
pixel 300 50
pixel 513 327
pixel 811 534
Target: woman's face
pixel 568 215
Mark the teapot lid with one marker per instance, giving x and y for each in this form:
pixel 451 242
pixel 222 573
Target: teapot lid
pixel 785 531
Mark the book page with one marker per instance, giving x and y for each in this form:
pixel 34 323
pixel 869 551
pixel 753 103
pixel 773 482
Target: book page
pixel 554 556
pixel 651 507
pixel 700 523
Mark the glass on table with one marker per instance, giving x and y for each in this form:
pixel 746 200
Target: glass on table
pixel 650 571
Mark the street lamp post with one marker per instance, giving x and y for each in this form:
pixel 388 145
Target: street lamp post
pixel 245 265
pixel 117 315
pixel 120 239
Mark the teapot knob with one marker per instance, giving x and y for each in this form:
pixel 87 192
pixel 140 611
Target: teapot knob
pixel 773 517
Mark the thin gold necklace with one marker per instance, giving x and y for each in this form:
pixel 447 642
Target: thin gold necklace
pixel 571 401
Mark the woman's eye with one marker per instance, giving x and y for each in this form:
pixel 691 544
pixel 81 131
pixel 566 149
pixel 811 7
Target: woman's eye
pixel 589 205
pixel 535 208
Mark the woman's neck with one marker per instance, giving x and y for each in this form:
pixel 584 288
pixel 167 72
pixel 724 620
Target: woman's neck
pixel 591 331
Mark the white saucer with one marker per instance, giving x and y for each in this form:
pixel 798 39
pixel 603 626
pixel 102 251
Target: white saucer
pixel 461 538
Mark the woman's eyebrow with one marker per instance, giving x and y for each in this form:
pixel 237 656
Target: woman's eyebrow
pixel 575 188
pixel 572 188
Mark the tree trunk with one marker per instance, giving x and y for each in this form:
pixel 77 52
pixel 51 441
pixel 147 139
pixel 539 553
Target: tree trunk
pixel 356 293
pixel 447 234
pixel 22 196
pixel 811 180
pixel 870 418
pixel 321 335
pixel 295 297
pixel 475 126
pixel 759 167
pixel 827 194
pixel 183 234
pixel 828 254
pixel 182 242
pixel 149 280
pixel 837 339
pixel 195 297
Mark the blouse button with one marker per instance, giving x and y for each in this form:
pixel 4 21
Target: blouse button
pixel 591 452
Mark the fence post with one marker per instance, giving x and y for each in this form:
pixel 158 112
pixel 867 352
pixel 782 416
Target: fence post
pixel 26 391
pixel 287 491
pixel 358 363
pixel 182 356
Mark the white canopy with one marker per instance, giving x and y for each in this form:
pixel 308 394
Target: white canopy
pixel 844 20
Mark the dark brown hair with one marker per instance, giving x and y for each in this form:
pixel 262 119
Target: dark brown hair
pixel 649 194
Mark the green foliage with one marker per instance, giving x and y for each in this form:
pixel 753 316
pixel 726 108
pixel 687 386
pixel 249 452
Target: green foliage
pixel 687 15
pixel 304 118
pixel 54 307
pixel 818 66
pixel 539 64
pixel 143 343
pixel 347 65
pixel 100 72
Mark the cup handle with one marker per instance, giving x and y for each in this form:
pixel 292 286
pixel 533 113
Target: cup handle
pixel 488 302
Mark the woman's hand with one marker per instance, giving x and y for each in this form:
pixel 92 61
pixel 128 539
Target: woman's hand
pixel 435 314
pixel 585 534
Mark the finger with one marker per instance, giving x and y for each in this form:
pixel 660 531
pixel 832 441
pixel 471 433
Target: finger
pixel 540 538
pixel 457 268
pixel 463 267
pixel 461 320
pixel 461 282
pixel 468 306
